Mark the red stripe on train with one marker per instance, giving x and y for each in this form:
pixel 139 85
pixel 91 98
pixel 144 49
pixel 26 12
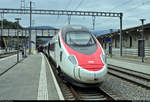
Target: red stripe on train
pixel 91 62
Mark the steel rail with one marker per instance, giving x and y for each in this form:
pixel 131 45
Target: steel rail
pixel 137 80
pixel 134 73
pixel 71 92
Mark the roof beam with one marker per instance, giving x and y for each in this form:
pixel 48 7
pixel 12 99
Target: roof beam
pixel 59 12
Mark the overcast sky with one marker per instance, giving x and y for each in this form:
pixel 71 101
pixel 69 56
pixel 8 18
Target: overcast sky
pixel 133 10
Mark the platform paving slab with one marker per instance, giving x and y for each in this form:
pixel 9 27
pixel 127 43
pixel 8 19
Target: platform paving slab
pixel 6 63
pixel 128 64
pixel 22 81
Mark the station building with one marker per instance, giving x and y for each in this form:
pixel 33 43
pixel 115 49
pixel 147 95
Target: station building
pixel 39 34
pixel 131 41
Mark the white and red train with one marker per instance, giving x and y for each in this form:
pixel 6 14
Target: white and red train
pixel 78 55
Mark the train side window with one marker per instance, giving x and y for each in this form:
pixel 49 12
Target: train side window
pixel 61 56
pixel 52 46
pixel 59 42
pixel 48 48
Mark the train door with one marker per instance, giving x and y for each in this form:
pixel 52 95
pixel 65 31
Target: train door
pixel 48 50
pixel 60 51
pixel 56 50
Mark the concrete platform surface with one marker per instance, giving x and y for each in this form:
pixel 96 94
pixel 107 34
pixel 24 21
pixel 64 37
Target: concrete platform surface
pixel 129 64
pixel 7 62
pixel 31 79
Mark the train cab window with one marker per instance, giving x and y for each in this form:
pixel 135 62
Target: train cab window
pixel 79 39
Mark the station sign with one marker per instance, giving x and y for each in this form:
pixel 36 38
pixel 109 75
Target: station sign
pixel 107 39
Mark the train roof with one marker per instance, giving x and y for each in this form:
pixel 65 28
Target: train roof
pixel 69 28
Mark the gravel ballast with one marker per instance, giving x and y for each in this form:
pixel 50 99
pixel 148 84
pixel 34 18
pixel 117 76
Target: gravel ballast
pixel 125 90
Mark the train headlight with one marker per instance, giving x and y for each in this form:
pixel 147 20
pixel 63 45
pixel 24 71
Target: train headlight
pixel 103 57
pixel 73 59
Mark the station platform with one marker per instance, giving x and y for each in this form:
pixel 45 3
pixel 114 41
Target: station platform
pixel 31 79
pixel 8 51
pixel 130 63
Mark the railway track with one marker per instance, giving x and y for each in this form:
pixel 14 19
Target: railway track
pixel 86 94
pixel 71 92
pixel 138 78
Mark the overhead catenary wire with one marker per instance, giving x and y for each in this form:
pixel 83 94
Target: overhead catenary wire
pixel 122 4
pixel 133 7
pixel 69 16
pixel 66 7
pixel 68 4
pixel 80 3
pixel 57 18
pixel 135 16
pixel 137 6
pixel 126 3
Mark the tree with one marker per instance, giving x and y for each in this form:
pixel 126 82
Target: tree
pixel 10 25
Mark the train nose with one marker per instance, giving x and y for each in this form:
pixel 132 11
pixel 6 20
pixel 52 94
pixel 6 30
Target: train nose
pixel 91 76
pixel 92 67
